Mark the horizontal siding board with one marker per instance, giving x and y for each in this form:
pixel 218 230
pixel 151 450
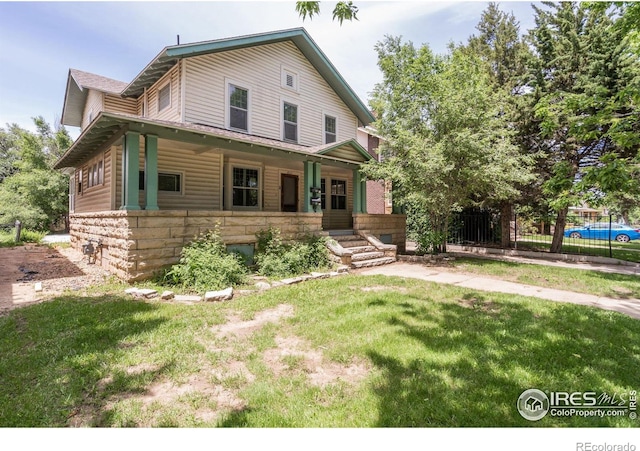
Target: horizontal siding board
pixel 98 197
pixel 114 104
pixel 260 68
pixel 93 106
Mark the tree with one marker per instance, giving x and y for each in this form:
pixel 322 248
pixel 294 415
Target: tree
pixel 32 191
pixel 586 85
pixel 342 11
pixel 447 146
pixel 504 54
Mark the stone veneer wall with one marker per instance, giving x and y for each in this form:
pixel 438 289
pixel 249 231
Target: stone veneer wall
pixel 377 225
pixel 138 243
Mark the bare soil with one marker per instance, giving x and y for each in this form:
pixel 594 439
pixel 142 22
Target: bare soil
pixel 58 269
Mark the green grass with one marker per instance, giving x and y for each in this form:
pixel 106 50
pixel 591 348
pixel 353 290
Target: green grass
pixel 7 238
pixel 622 251
pixel 432 355
pixel 617 286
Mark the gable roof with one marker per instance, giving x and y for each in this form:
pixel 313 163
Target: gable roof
pixel 349 149
pixel 170 55
pixel 75 97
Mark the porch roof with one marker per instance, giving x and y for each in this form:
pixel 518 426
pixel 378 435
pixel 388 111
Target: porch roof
pixel 107 128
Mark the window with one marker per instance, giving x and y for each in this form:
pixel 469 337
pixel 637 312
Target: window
pixel 329 129
pixel 290 115
pixel 164 97
pixel 338 194
pixel 245 187
pixel 289 79
pixel 323 194
pixel 169 182
pixel 95 174
pixel 79 175
pixel 238 108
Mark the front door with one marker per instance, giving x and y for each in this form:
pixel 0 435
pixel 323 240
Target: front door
pixel 289 193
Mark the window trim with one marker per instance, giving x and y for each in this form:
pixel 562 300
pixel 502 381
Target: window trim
pixel 141 177
pixel 282 121
pixel 229 191
pixel 284 71
pixel 324 127
pixel 168 106
pixel 228 82
pixel 95 172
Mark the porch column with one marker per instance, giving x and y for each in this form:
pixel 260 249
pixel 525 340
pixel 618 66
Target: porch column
pixel 308 184
pixel 130 170
pixel 359 192
pixel 151 172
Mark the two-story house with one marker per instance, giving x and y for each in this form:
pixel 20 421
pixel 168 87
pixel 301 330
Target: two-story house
pixel 245 132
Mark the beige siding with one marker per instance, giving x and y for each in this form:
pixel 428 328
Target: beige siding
pixel 97 197
pixel 260 70
pixel 200 174
pixel 116 104
pixel 347 154
pixel 94 105
pixel 272 187
pixel 171 113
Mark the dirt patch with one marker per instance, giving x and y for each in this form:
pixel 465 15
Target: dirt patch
pixel 294 354
pixel 480 305
pixel 57 268
pixel 235 327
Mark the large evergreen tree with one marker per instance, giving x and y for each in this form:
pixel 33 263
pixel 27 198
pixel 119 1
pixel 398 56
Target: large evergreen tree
pixel 582 74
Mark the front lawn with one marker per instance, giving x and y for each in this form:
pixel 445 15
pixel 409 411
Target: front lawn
pixel 353 351
pixel 617 286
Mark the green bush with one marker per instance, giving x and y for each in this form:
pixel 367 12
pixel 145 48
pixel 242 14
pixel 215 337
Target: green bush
pixel 205 265
pixel 32 236
pixel 277 259
pixel 8 236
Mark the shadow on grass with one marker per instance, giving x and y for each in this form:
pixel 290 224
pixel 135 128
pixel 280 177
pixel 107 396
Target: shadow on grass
pixel 56 355
pixel 470 360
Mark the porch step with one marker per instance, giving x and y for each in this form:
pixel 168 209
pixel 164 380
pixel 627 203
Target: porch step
pixel 337 233
pixel 354 243
pixel 366 256
pixel 350 237
pixel 362 249
pixel 373 262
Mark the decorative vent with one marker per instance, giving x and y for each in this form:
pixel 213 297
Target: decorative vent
pixel 290 81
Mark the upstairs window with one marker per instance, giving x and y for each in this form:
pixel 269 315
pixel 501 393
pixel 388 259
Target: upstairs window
pixel 164 97
pixel 290 125
pixel 238 108
pixel 329 129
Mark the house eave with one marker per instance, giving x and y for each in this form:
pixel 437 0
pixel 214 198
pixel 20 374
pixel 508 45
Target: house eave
pixel 108 127
pixel 169 56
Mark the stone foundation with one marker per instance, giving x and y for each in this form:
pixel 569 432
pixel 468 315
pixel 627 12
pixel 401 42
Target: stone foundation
pixel 138 243
pixel 379 225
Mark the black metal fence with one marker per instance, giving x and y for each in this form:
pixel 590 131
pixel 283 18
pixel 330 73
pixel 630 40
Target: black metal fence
pixel 591 234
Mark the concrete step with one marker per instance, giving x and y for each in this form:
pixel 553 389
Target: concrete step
pixel 354 243
pixel 373 262
pixel 362 249
pixel 341 238
pixel 366 256
pixel 335 233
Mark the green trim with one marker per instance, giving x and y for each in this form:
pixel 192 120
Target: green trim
pixel 131 170
pixel 169 56
pixel 151 172
pixel 308 184
pixel 357 192
pixel 355 145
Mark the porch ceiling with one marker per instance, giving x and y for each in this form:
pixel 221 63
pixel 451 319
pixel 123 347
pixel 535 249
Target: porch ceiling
pixel 107 128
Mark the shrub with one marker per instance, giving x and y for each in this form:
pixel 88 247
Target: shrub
pixel 205 265
pixel 276 259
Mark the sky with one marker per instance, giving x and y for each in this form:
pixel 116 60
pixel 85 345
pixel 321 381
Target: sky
pixel 41 41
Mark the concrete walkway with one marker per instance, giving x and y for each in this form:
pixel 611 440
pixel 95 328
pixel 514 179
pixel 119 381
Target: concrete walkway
pixel 629 307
